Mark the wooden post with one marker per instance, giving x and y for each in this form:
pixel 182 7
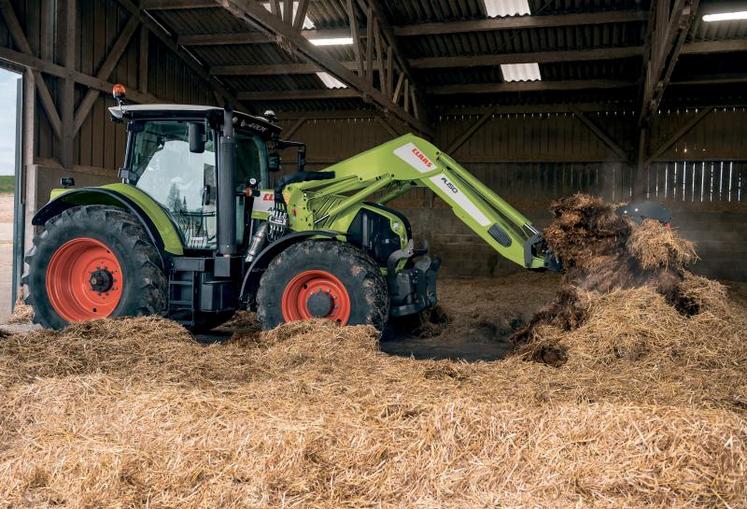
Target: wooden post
pixel 68 94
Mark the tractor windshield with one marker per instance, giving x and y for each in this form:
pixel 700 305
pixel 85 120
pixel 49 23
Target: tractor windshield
pixel 183 182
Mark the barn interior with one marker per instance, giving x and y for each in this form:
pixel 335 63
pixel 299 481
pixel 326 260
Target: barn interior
pixel 636 402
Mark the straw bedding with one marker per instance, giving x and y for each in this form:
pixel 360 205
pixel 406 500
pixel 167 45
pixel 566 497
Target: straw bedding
pixel 648 408
pixel 22 312
pixel 134 412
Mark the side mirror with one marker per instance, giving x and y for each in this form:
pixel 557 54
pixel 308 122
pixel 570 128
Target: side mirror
pixel 197 137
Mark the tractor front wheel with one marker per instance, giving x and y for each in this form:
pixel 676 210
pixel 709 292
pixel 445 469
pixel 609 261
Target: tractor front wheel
pixel 93 261
pixel 323 279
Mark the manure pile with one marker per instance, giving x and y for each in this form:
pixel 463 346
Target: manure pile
pixel 604 252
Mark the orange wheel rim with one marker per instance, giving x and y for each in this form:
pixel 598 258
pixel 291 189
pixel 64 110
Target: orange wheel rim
pixel 84 280
pixel 315 294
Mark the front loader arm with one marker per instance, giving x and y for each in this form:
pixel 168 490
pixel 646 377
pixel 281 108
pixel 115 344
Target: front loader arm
pixel 396 167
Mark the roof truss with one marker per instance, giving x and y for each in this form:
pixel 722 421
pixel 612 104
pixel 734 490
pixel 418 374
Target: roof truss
pixel 379 49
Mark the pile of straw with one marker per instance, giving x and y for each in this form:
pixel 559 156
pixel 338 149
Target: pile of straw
pixel 22 312
pixel 648 406
pixel 648 410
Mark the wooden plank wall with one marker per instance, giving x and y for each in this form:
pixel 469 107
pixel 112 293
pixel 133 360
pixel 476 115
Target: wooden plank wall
pixel 99 144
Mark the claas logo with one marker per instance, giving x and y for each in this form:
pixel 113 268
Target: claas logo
pixel 268 197
pixel 422 157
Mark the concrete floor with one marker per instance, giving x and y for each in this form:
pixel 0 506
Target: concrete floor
pixel 6 253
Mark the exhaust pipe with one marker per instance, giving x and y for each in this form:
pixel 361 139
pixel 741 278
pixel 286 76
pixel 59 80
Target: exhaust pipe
pixel 226 196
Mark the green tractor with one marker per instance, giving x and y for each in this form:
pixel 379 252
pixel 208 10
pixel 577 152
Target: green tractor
pixel 196 231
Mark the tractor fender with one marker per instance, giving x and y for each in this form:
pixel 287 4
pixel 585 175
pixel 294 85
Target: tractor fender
pixel 251 279
pixel 160 230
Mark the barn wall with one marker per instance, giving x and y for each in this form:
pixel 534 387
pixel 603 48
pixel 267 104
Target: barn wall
pixel 98 147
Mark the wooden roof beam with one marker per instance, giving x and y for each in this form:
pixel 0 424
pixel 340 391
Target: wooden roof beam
pixel 440 62
pixel 520 58
pixel 175 5
pixel 170 42
pixel 668 29
pixel 519 22
pixel 256 15
pixel 708 47
pixel 298 95
pixel 714 79
pixel 222 39
pixel 527 86
pixel 476 88
pixel 481 25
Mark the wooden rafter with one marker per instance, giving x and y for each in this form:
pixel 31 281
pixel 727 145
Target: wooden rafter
pixel 256 15
pixel 708 47
pixel 435 62
pixel 299 95
pixel 221 39
pixel 169 41
pixel 477 88
pixel 527 86
pixel 172 5
pixel 669 26
pixel 389 39
pixel 518 22
pixel 520 58
pixel 416 30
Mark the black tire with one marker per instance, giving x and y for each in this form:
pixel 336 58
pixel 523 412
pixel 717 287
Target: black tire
pixel 361 276
pixel 145 284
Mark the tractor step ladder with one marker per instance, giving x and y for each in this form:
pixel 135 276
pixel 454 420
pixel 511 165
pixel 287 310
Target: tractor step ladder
pixel 183 297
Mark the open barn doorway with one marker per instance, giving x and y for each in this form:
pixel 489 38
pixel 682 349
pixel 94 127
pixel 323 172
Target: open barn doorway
pixel 10 191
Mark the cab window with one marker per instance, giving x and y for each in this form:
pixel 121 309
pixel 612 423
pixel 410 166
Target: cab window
pixel 163 167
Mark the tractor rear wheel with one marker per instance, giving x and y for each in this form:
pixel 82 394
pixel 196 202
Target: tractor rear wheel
pixel 93 261
pixel 323 279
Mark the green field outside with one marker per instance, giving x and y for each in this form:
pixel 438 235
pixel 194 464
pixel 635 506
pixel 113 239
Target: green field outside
pixel 7 183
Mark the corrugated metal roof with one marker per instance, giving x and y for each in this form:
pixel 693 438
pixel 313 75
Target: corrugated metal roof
pixel 721 30
pixel 567 6
pixel 326 14
pixel 200 21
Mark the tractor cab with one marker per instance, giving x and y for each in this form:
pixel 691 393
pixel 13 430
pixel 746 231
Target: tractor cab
pixel 173 155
